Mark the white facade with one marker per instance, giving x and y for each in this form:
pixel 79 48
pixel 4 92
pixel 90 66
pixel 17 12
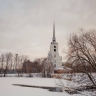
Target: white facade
pixel 53 54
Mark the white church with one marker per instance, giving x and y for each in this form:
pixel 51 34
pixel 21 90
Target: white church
pixel 53 54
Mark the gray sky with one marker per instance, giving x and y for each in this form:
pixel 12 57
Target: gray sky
pixel 26 25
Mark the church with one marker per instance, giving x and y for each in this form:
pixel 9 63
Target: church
pixel 53 54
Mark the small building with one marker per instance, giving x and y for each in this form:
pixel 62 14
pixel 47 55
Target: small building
pixel 63 69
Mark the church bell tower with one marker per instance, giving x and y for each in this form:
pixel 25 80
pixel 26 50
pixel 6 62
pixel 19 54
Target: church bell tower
pixel 53 53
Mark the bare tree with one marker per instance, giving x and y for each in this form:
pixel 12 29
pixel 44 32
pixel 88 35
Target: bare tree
pixel 82 52
pixel 19 60
pixel 27 67
pixel 8 57
pixel 44 62
pixel 11 64
pixel 37 63
pixel 2 59
pixel 47 67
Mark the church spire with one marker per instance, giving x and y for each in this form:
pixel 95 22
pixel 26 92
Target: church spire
pixel 54 39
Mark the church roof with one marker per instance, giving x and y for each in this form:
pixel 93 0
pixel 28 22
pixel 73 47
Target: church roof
pixel 62 68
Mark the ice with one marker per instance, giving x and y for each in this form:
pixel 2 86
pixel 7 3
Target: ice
pixel 7 89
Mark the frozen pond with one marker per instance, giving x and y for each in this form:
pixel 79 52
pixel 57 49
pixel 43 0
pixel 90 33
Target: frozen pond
pixel 7 89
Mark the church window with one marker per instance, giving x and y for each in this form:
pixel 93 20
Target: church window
pixel 54 46
pixel 54 50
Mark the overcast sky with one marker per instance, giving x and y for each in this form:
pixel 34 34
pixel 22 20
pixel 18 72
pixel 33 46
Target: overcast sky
pixel 26 26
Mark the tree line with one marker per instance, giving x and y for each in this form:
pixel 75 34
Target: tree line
pixel 19 64
pixel 11 63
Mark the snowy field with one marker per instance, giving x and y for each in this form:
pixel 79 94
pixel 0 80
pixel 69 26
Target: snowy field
pixel 7 89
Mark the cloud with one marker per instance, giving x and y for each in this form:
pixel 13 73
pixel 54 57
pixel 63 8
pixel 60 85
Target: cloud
pixel 26 25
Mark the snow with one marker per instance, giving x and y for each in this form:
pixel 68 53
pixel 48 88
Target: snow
pixel 23 75
pixel 7 89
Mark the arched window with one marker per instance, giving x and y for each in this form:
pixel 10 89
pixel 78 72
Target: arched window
pixel 54 50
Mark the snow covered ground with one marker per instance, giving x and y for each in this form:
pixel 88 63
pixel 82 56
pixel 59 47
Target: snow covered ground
pixel 7 89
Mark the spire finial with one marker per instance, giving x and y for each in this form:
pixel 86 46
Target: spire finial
pixel 54 39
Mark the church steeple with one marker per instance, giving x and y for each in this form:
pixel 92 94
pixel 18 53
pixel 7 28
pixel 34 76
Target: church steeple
pixel 53 54
pixel 54 39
